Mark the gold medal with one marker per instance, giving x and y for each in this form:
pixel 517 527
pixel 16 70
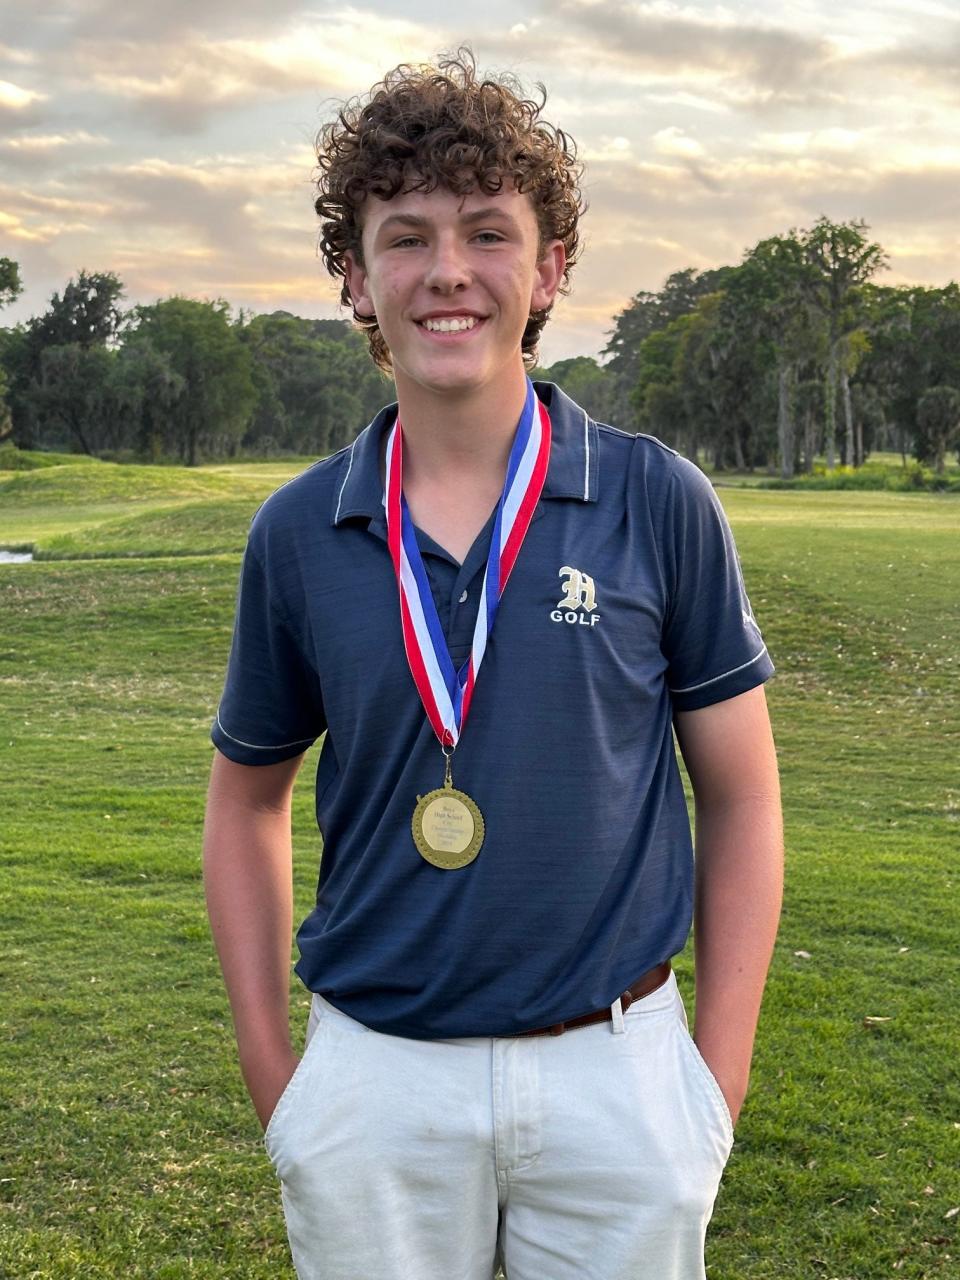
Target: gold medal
pixel 447 826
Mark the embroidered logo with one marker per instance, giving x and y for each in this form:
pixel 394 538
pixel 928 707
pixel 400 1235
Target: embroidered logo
pixel 579 603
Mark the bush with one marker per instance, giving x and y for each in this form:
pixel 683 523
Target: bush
pixel 872 475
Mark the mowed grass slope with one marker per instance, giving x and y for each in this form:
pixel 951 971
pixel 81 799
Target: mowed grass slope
pixel 91 509
pixel 129 1147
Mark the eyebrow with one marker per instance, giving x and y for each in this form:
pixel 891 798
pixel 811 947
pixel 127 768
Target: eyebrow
pixel 420 222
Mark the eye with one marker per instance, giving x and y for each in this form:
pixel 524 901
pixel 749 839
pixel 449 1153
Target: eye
pixel 405 240
pixel 496 235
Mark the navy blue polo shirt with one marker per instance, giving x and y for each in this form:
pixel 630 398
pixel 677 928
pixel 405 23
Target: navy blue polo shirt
pixel 626 604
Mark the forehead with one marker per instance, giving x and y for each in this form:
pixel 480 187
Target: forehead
pixel 442 206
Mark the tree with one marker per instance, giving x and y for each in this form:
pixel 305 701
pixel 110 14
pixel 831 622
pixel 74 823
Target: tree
pixel 877 384
pixel 808 400
pixel 88 313
pixel 938 417
pixel 204 349
pixel 316 385
pixel 10 288
pixel 853 349
pixel 914 335
pixel 592 385
pixel 772 299
pixel 148 392
pixel 74 393
pixel 844 260
pixel 722 369
pixel 649 313
pixel 15 364
pixel 657 397
pixel 86 317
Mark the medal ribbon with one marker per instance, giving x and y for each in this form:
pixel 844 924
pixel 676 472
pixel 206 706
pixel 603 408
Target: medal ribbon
pixel 445 692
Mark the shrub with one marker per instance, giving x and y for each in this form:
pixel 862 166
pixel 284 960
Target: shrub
pixel 913 478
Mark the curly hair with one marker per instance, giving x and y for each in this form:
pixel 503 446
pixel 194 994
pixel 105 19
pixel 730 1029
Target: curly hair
pixel 429 126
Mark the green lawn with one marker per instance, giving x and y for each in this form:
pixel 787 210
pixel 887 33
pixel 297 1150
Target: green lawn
pixel 129 1148
pixel 93 509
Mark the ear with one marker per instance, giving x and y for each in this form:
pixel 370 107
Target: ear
pixel 549 274
pixel 358 284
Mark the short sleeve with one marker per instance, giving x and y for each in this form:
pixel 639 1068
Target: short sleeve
pixel 271 709
pixel 711 639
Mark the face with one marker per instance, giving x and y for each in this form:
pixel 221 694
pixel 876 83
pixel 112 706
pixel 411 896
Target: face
pixel 452 281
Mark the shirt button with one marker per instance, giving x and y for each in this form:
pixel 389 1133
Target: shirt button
pixel 463 598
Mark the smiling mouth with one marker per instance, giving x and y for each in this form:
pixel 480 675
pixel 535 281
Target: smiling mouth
pixel 452 327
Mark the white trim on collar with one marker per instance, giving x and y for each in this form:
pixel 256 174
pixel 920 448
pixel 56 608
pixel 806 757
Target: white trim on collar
pixel 586 456
pixel 343 485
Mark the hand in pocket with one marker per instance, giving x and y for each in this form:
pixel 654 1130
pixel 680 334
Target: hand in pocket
pixel 267 1078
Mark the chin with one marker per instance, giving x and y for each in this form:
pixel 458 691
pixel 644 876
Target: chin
pixel 439 379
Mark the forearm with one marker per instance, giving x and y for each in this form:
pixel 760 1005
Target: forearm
pixel 738 893
pixel 248 882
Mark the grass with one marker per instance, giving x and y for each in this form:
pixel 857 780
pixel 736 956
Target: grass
pixel 104 509
pixel 14 459
pixel 129 1146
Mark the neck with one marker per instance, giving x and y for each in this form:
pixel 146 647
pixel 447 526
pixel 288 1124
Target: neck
pixel 468 433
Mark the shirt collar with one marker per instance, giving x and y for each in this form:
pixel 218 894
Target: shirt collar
pixel 572 472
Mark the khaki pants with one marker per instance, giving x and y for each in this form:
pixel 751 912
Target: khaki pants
pixel 593 1155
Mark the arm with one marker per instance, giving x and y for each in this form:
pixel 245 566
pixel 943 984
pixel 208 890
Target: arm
pixel 247 867
pixel 729 754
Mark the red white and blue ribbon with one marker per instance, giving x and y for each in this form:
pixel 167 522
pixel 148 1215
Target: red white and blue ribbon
pixel 445 692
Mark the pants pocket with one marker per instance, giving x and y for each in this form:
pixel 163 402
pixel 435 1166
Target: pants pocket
pixel 293 1086
pixel 708 1081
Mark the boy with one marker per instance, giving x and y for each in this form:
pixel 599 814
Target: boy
pixel 498 611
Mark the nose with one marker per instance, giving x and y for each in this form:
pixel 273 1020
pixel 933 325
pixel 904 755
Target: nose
pixel 448 268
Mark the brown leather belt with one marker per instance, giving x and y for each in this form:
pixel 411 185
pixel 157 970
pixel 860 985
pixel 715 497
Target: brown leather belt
pixel 646 983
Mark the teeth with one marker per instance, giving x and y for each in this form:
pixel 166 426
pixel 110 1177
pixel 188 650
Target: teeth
pixel 456 325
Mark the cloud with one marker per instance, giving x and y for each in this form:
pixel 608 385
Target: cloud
pixel 210 204
pixel 725 60
pixel 683 99
pixel 810 140
pixel 20 57
pixel 921 257
pixel 674 142
pixel 643 37
pixel 239 227
pixel 617 150
pixel 262 283
pixel 52 141
pixel 38 153
pixel 703 127
pixel 14 98
pixel 178 86
pixel 894 196
pixel 30 202
pixel 932 61
pixel 758 196
pixel 113 19
pixel 233 210
pixel 13 226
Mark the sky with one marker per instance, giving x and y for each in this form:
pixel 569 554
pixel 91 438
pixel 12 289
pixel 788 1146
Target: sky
pixel 173 143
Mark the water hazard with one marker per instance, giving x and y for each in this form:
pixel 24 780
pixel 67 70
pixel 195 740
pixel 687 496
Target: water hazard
pixel 15 557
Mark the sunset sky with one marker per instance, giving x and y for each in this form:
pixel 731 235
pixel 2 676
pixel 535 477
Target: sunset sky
pixel 172 143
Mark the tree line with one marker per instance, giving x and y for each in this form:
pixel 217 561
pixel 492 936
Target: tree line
pixel 180 378
pixel 794 353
